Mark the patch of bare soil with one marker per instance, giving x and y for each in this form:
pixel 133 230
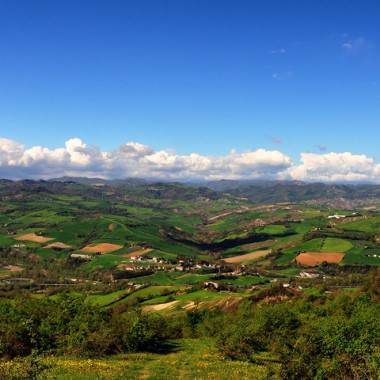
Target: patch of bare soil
pixel 34 237
pixel 101 248
pixel 311 259
pixel 138 252
pixel 248 256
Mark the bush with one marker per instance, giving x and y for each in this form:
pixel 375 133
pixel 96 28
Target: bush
pixel 337 339
pixel 69 325
pixel 265 328
pixel 145 333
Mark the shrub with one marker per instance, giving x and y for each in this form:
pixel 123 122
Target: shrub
pixel 68 324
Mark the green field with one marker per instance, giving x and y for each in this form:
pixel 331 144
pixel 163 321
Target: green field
pixel 189 359
pixel 336 245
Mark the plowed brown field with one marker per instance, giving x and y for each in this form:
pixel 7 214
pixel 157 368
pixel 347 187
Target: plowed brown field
pixel 315 258
pixel 101 248
pixel 33 237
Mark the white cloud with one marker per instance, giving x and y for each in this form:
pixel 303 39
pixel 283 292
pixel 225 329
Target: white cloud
pixel 133 159
pixel 10 152
pixel 336 167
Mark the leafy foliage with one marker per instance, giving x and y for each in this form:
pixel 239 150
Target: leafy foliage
pixel 67 324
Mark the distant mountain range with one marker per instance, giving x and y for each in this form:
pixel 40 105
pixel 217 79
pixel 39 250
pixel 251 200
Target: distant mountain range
pixel 95 181
pixel 262 192
pixel 296 191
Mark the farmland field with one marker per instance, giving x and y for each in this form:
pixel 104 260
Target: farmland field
pixel 101 248
pixel 247 257
pixel 316 258
pixel 140 274
pixel 33 237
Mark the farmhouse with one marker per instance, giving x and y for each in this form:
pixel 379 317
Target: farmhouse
pixel 19 245
pixel 126 267
pixel 80 256
pixel 336 216
pixel 308 275
pixel 211 284
pixel 136 258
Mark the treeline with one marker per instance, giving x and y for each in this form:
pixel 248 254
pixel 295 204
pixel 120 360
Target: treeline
pixel 342 234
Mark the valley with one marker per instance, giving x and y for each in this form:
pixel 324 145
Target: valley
pixel 176 250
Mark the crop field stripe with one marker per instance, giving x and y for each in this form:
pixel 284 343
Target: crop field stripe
pixel 248 256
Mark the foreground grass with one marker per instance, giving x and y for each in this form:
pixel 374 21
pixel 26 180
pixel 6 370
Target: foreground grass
pixel 188 359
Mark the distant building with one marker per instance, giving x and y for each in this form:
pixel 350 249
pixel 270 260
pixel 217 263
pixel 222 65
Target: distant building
pixel 211 284
pixel 308 275
pixel 80 256
pixel 128 268
pixel 336 216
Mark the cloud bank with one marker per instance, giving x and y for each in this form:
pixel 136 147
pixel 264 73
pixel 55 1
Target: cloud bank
pixel 133 159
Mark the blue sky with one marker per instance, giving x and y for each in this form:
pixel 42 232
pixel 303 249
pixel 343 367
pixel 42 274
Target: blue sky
pixel 193 76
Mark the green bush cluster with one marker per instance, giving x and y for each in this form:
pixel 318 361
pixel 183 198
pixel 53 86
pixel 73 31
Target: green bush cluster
pixel 67 324
pixel 310 337
pixel 337 338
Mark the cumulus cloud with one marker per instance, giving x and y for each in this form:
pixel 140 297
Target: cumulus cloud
pixel 336 167
pixel 132 159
